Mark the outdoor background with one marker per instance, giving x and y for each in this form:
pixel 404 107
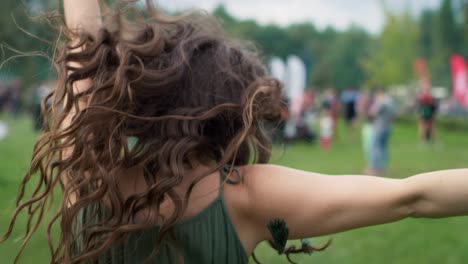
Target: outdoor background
pixel 354 46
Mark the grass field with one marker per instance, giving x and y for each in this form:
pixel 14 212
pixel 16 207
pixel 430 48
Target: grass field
pixel 410 241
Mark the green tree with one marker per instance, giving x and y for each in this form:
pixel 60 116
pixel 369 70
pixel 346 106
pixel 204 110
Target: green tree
pixel 331 57
pixel 20 30
pixel 448 30
pixel 427 33
pixel 222 14
pixel 345 57
pixel 392 56
pixel 447 41
pixel 464 6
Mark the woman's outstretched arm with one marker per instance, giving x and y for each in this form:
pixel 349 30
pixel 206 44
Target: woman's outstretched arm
pixel 439 194
pixel 315 204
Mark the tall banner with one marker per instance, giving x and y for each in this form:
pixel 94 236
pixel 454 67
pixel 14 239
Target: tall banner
pixel 460 79
pixel 295 85
pixel 278 68
pixel 296 82
pixel 278 71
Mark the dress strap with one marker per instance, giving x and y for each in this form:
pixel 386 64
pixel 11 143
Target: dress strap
pixel 227 170
pixel 224 174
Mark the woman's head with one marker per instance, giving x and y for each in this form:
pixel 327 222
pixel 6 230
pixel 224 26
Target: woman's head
pixel 184 91
pixel 221 85
pixel 173 81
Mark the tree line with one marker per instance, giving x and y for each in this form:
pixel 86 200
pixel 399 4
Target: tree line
pixel 354 57
pixel 333 58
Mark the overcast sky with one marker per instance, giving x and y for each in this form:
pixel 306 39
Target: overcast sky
pixel 337 13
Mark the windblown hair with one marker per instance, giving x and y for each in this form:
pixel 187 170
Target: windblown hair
pixel 178 87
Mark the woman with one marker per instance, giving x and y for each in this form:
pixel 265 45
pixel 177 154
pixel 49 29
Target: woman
pixel 365 103
pixel 427 109
pixel 382 114
pixel 194 104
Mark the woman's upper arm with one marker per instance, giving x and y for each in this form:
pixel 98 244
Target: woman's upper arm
pixel 315 205
pixel 80 15
pixel 83 15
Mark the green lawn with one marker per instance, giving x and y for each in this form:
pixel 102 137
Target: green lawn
pixel 407 242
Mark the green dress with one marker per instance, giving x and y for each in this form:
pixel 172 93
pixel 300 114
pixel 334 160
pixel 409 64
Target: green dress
pixel 208 237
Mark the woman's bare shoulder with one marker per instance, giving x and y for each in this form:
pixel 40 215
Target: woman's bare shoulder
pixel 238 202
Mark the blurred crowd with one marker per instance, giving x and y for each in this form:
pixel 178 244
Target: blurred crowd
pixel 13 102
pixel 372 110
pixel 9 102
pixel 10 96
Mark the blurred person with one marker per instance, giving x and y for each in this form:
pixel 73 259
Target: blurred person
pixel 364 105
pixel 382 112
pixel 5 95
pixel 2 96
pixel 326 129
pixel 14 100
pixel 349 98
pixel 304 130
pixel 3 130
pixel 193 186
pixel 331 102
pixel 309 99
pixel 427 109
pixel 310 115
pixel 10 97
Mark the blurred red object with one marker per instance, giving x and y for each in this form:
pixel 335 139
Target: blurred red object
pixel 422 71
pixel 460 79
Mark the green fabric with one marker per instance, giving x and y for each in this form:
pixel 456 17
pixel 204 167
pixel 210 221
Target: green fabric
pixel 208 237
pixel 427 111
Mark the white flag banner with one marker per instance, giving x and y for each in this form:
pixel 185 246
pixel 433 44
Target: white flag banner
pixel 460 79
pixel 296 83
pixel 278 69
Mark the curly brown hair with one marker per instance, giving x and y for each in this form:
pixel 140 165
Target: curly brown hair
pixel 179 87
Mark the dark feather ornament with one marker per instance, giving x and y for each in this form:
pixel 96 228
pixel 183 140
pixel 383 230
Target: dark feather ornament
pixel 280 233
